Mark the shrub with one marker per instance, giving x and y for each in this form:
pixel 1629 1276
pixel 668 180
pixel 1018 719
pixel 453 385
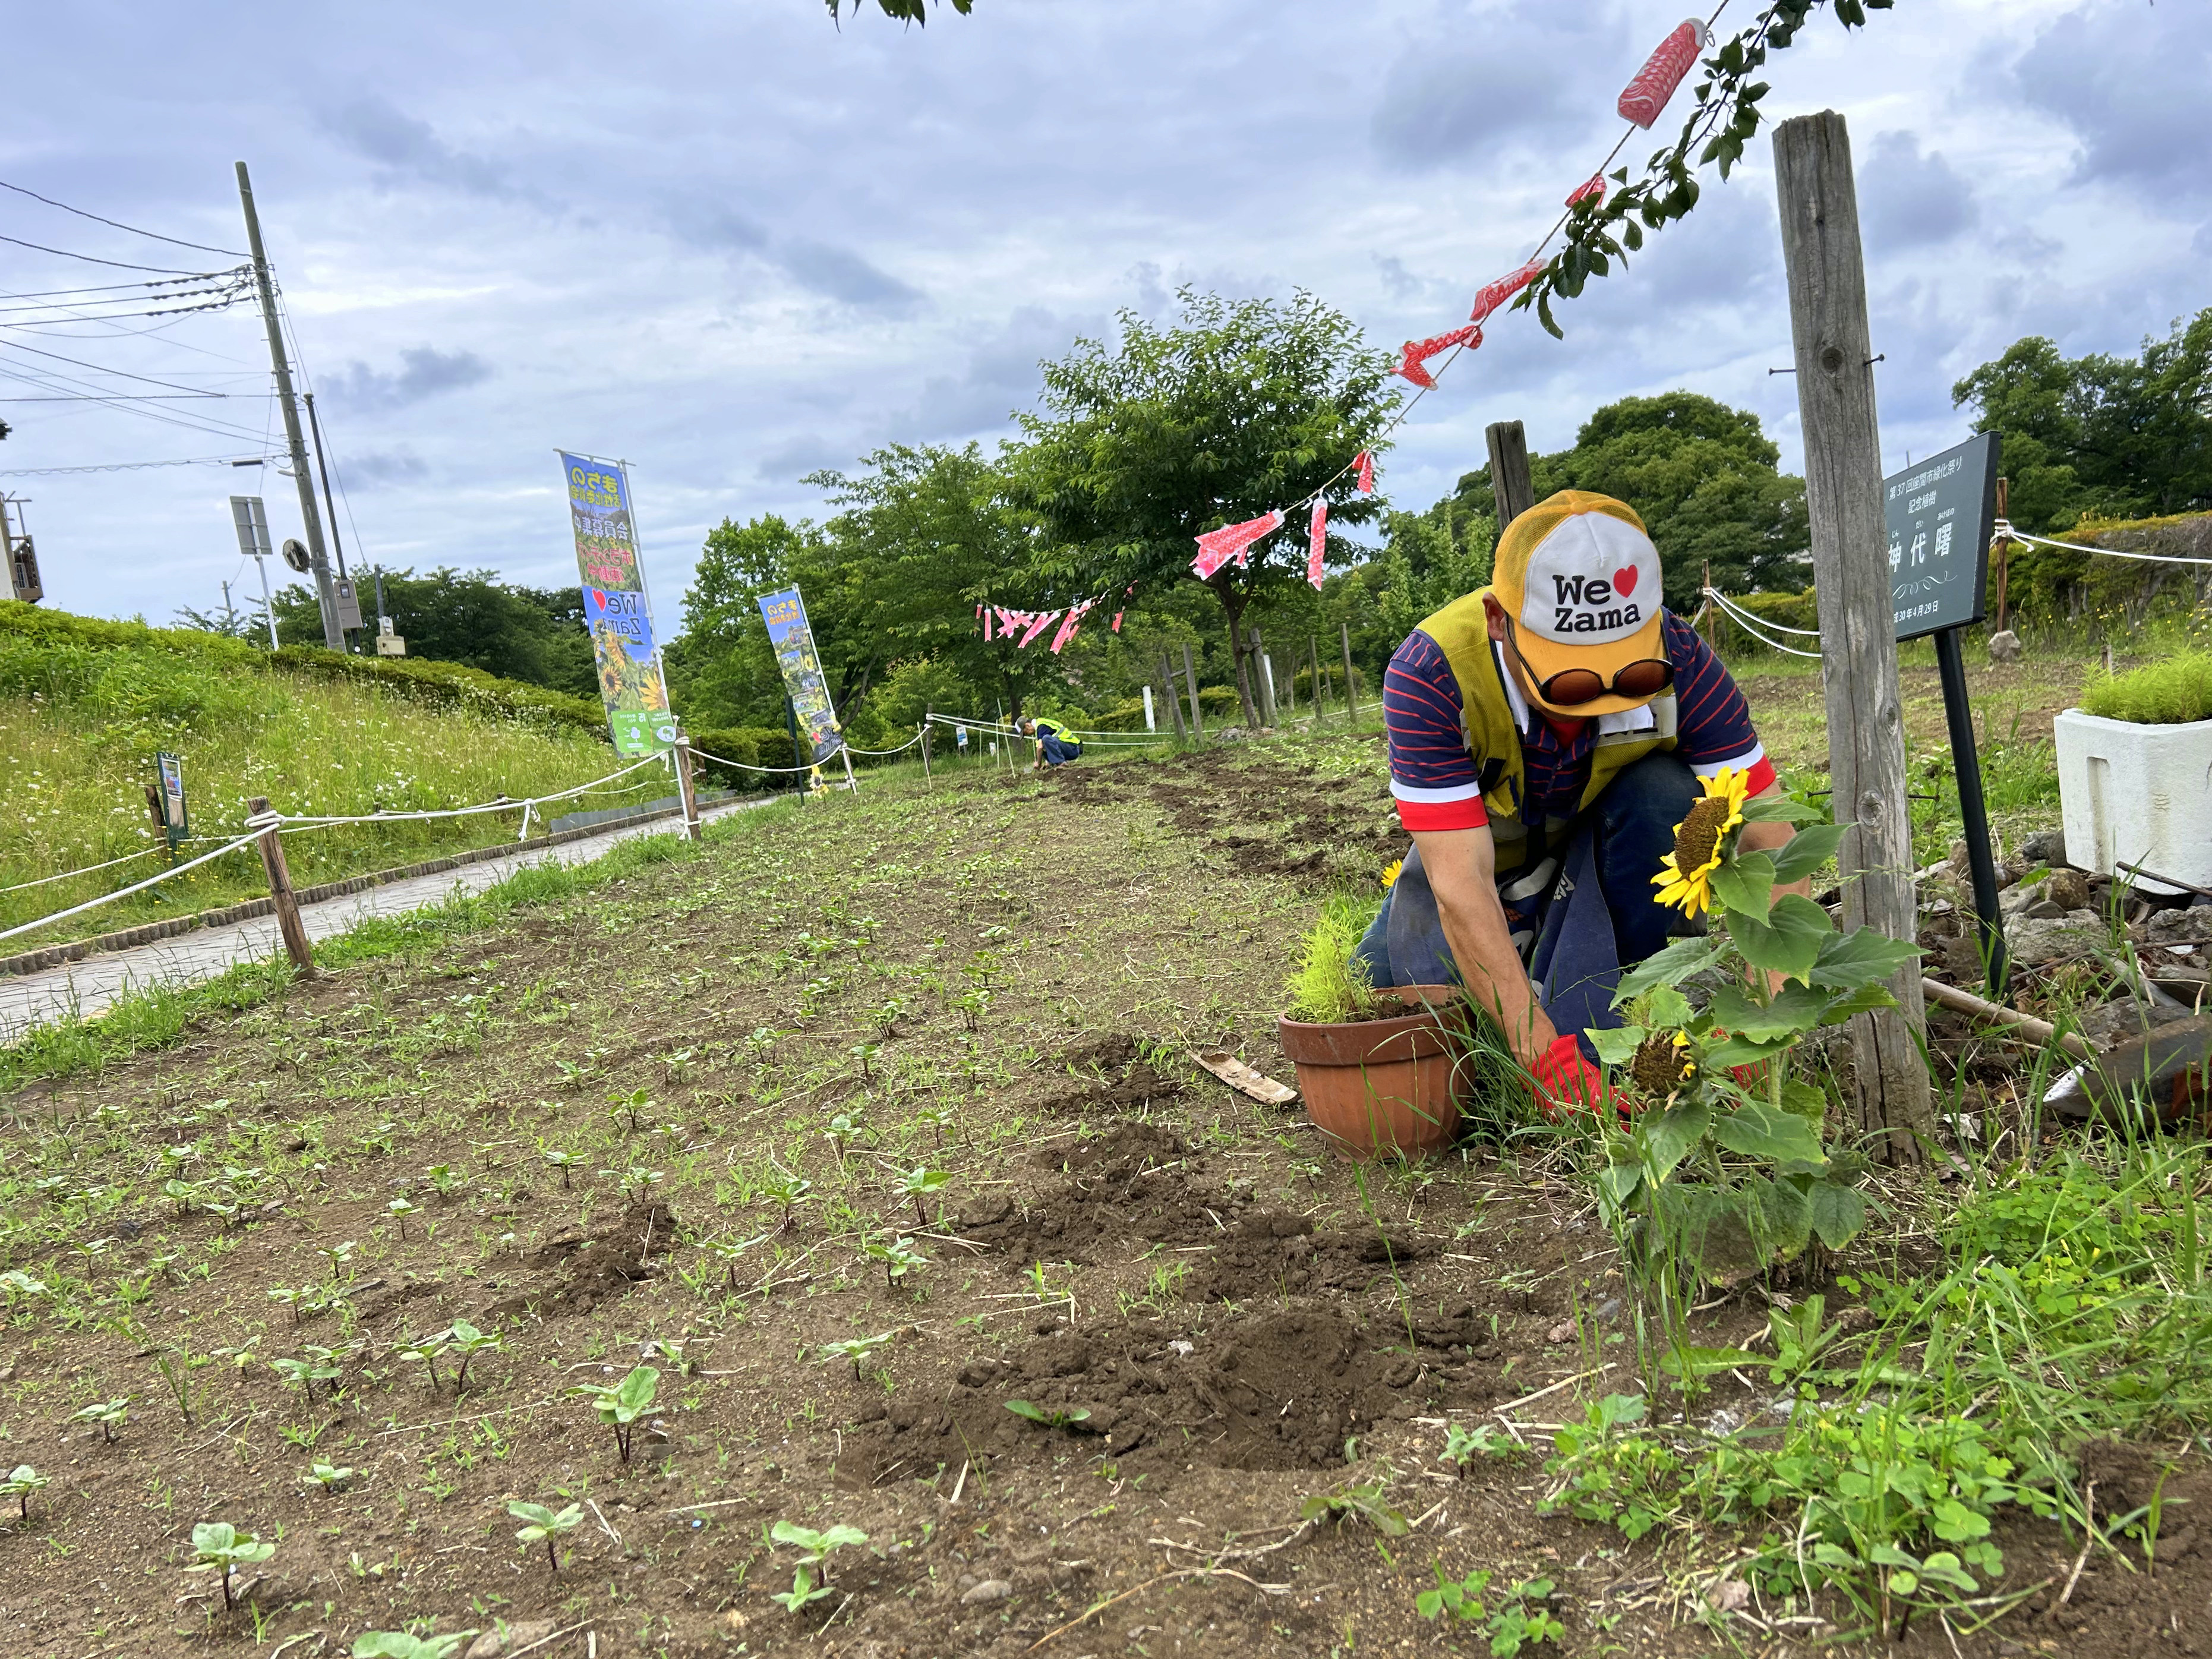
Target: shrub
pixel 747 745
pixel 2171 693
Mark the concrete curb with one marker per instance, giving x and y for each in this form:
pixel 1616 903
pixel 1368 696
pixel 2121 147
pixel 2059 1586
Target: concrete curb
pixel 53 956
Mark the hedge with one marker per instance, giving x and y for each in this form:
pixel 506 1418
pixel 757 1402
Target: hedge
pixel 748 746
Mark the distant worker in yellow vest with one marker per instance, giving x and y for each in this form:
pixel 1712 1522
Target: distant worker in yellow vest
pixel 1056 745
pixel 1548 735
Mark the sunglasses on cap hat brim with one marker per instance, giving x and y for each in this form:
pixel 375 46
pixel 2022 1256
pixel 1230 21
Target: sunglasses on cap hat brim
pixel 1572 687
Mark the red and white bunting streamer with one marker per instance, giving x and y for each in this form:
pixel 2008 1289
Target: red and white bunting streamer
pixel 1645 98
pixel 1217 547
pixel 1494 294
pixel 1075 620
pixel 1365 463
pixel 1317 541
pixel 1038 622
pixel 1417 353
pixel 1593 186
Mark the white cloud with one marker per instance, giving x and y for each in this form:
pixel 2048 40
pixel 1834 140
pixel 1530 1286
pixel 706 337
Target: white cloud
pixel 731 243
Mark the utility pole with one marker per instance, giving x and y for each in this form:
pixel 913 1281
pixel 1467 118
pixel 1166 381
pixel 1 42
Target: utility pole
pixel 349 605
pixel 1510 485
pixel 1826 276
pixel 326 588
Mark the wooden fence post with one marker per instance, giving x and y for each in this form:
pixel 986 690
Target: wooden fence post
pixel 280 888
pixel 925 750
pixel 1509 484
pixel 1351 697
pixel 1175 702
pixel 687 794
pixel 1321 678
pixel 1197 714
pixel 1859 640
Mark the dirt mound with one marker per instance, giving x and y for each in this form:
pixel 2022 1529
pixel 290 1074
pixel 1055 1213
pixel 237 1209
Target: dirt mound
pixel 590 1270
pixel 1131 1182
pixel 1280 1391
pixel 1269 1254
pixel 1107 1076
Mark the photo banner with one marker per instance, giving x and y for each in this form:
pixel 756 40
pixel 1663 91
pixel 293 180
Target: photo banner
pixel 785 613
pixel 617 612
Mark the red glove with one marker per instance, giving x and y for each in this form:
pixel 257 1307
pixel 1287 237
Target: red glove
pixel 1565 1082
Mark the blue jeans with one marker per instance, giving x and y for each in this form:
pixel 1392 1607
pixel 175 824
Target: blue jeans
pixel 1594 913
pixel 1058 751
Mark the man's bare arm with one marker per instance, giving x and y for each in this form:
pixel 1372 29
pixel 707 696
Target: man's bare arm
pixel 1462 867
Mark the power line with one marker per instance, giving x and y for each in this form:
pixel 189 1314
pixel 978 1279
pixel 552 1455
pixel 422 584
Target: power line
pixel 78 362
pixel 155 235
pixel 111 287
pixel 135 467
pixel 91 260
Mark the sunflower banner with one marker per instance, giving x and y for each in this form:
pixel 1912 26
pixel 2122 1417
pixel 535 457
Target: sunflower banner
pixel 1722 1146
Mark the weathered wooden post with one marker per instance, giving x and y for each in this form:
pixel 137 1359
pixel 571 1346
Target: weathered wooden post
pixel 1175 702
pixel 1351 697
pixel 1197 714
pixel 258 816
pixel 2004 547
pixel 1321 677
pixel 687 796
pixel 1851 571
pixel 1263 672
pixel 1509 484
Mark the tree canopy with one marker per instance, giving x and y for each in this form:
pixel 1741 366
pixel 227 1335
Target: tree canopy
pixel 2115 437
pixel 531 633
pixel 1144 444
pixel 1704 478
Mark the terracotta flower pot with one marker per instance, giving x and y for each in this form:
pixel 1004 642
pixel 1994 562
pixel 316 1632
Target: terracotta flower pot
pixel 1376 1087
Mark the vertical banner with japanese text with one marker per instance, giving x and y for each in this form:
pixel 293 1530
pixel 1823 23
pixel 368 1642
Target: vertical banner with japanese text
pixel 792 640
pixel 616 610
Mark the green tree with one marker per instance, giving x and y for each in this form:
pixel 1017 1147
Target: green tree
pixel 535 634
pixel 892 583
pixel 1241 406
pixel 1703 477
pixel 2114 437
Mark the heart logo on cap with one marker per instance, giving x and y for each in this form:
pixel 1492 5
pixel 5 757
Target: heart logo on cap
pixel 1624 581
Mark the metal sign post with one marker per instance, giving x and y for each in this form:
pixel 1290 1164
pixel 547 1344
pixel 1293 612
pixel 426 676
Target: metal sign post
pixel 252 522
pixel 1940 515
pixel 169 797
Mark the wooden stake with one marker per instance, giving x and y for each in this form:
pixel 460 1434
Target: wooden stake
pixel 1197 714
pixel 2004 546
pixel 687 794
pixel 928 731
pixel 1175 703
pixel 1351 697
pixel 280 888
pixel 1321 677
pixel 1510 487
pixel 1858 642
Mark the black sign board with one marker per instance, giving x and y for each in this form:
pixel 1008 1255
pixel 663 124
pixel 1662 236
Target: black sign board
pixel 1941 512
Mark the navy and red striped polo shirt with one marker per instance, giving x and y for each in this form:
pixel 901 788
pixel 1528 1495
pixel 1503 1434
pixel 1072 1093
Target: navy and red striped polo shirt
pixel 1435 779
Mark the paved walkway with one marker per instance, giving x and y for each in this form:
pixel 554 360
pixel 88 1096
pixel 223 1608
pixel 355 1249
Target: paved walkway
pixel 90 986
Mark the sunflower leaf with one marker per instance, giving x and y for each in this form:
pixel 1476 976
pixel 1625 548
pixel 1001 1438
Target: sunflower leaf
pixel 1862 957
pixel 1788 941
pixel 1779 809
pixel 1670 965
pixel 1617 1045
pixel 1745 885
pixel 1808 850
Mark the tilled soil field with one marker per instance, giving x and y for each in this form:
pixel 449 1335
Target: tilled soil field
pixel 873 1128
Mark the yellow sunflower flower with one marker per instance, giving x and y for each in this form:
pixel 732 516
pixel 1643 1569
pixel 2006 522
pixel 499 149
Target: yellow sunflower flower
pixel 1390 875
pixel 1684 878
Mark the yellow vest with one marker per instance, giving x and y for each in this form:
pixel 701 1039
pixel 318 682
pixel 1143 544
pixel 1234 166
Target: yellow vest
pixel 1461 630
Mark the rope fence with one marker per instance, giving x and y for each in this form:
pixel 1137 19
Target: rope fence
pixel 136 887
pixel 1752 624
pixel 2006 532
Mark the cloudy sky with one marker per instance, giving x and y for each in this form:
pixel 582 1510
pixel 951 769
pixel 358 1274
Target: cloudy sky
pixel 731 243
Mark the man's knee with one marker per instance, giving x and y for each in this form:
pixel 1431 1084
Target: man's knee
pixel 1656 790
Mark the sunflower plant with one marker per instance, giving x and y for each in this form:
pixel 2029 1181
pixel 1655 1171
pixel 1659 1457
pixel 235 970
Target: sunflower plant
pixel 1722 1163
